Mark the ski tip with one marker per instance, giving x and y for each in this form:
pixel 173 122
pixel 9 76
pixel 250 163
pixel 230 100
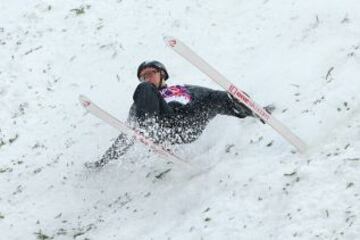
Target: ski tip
pixel 84 101
pixel 170 41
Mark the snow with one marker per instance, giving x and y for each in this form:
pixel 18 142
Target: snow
pixel 246 181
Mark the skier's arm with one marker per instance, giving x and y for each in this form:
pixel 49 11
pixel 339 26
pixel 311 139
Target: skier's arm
pixel 148 102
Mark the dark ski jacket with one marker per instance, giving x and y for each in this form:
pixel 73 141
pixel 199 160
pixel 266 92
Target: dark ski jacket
pixel 179 113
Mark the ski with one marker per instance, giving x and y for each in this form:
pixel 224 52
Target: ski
pixel 126 129
pixel 184 51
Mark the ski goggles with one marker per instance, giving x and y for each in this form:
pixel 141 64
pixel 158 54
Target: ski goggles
pixel 147 74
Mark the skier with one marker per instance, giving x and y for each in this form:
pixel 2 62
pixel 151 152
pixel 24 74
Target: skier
pixel 172 114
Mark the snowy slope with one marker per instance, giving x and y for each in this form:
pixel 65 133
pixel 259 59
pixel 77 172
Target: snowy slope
pixel 246 181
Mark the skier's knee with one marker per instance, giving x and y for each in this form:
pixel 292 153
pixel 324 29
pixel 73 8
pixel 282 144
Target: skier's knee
pixel 143 90
pixel 145 86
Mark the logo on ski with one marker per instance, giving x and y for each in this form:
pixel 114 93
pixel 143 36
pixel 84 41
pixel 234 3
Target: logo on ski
pixel 247 101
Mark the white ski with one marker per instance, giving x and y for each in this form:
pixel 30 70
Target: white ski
pixel 212 73
pixel 126 129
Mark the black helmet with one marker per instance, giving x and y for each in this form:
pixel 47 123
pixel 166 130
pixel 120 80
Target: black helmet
pixel 154 64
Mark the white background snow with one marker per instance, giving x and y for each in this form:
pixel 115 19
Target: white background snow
pixel 246 181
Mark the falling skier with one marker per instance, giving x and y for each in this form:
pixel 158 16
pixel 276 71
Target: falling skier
pixel 172 114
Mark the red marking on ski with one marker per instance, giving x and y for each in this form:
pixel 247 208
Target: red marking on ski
pixel 172 42
pixel 86 103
